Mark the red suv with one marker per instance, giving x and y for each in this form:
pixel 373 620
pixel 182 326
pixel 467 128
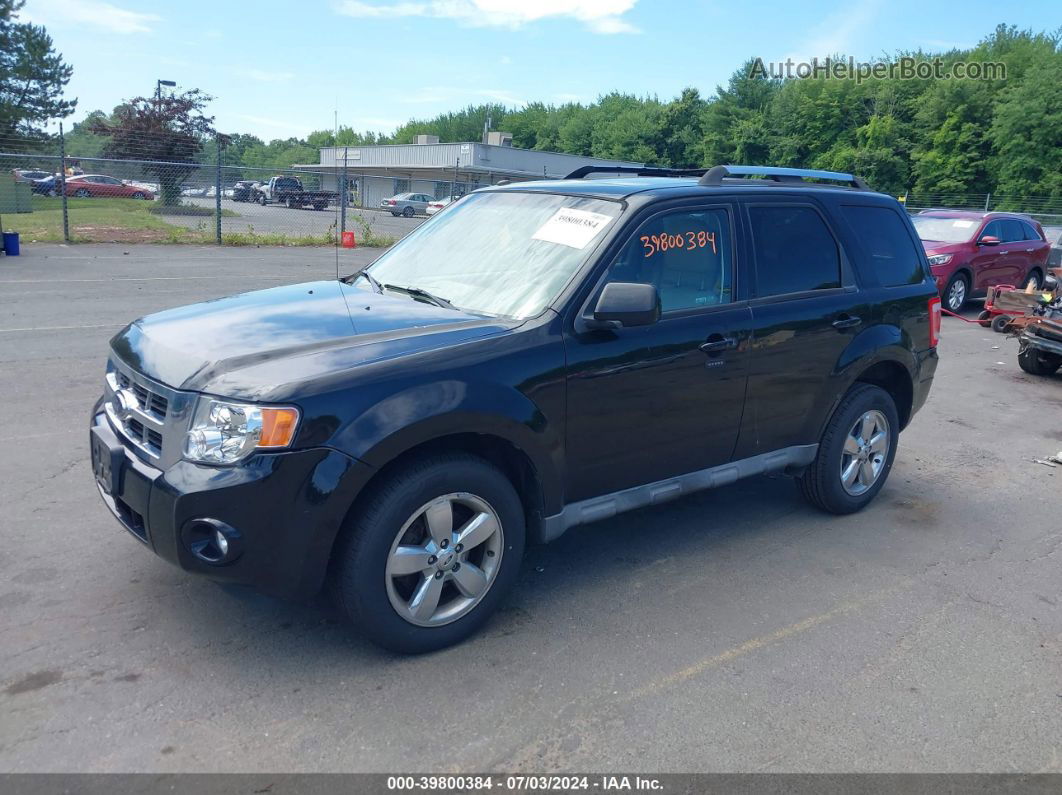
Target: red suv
pixel 972 251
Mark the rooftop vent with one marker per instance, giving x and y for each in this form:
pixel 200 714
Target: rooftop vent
pixel 424 140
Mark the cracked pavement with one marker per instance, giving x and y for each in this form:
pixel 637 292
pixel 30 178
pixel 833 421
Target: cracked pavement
pixel 736 630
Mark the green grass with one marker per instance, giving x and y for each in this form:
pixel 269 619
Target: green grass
pixel 138 221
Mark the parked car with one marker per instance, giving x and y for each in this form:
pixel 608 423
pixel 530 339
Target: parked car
pixel 29 174
pixel 46 186
pixel 437 204
pixel 289 191
pixel 556 353
pixel 241 191
pixel 407 204
pixel 193 191
pixel 100 185
pixel 972 251
pixel 1054 237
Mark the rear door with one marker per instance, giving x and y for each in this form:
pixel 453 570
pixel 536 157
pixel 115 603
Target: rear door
pixel 652 402
pixel 806 309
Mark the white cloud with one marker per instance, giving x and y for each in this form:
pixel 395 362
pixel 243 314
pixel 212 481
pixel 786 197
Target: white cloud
pixel 88 13
pixel 600 16
pixel 450 94
pixel 836 34
pixel 263 76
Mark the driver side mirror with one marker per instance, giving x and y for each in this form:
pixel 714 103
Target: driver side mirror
pixel 628 304
pixel 988 240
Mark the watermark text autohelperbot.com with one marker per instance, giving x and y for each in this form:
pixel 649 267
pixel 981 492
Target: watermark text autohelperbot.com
pixel 905 68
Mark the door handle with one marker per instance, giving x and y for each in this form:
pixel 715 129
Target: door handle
pixel 717 343
pixel 847 321
pixel 1004 252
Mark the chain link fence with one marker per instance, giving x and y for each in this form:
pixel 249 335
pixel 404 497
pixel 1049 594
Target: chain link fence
pixel 1045 209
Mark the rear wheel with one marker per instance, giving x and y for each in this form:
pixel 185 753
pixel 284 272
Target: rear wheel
pixel 262 200
pixel 956 292
pixel 1037 362
pixel 855 453
pixel 429 555
pixel 82 193
pixel 1000 323
pixel 409 212
pixel 1035 279
pixel 138 195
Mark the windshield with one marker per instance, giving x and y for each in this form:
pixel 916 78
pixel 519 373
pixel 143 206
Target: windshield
pixel 945 230
pixel 503 253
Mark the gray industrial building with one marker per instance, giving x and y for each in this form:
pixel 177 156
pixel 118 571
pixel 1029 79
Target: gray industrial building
pixel 427 166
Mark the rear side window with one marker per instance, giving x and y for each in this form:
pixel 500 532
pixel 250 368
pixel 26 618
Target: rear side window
pixel 795 250
pixel 1030 231
pixel 884 237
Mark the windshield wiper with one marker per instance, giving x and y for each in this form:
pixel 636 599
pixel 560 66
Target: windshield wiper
pixel 416 292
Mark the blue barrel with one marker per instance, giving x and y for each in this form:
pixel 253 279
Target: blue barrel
pixel 11 243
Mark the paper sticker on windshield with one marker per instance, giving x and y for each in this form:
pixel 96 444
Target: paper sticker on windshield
pixel 575 228
pixel 963 224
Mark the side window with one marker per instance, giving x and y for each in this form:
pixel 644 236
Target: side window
pixel 1012 231
pixel 795 250
pixel 686 254
pixel 994 229
pixel 887 243
pixel 1029 230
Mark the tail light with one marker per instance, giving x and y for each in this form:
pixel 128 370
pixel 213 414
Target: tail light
pixel 392 202
pixel 934 321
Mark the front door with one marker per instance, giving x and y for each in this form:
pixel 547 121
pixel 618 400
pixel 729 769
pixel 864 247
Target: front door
pixel 652 402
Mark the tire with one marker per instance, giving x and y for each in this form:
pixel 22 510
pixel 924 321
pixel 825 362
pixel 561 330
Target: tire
pixel 1035 278
pixel 262 200
pixel 985 319
pixel 82 193
pixel 362 581
pixel 409 212
pixel 1037 362
pixel 137 195
pixel 395 214
pixel 822 483
pixel 956 293
pixel 319 206
pixel 1000 322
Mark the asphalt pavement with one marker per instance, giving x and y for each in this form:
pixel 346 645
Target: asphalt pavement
pixel 737 630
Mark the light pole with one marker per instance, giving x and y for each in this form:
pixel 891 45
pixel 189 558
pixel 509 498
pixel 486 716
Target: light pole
pixel 158 88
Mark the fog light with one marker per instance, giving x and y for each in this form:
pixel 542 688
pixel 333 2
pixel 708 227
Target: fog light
pixel 212 541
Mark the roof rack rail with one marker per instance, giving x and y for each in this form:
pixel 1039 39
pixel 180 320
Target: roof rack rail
pixel 790 176
pixel 638 171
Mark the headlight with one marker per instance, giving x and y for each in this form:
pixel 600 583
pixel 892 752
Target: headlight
pixel 223 432
pixel 940 259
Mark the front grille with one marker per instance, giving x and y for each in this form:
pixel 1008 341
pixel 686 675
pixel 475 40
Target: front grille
pixel 146 413
pixel 145 398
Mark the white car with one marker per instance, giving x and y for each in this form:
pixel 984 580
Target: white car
pixel 437 204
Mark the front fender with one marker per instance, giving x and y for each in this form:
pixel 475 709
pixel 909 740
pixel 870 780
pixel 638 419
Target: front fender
pixel 421 413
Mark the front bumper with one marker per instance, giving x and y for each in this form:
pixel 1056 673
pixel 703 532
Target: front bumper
pixel 287 507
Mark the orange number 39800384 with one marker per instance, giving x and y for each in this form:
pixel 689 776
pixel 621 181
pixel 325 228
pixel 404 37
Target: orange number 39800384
pixel 688 241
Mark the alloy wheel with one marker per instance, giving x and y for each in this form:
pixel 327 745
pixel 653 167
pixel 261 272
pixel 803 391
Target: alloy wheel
pixel 866 448
pixel 444 559
pixel 957 295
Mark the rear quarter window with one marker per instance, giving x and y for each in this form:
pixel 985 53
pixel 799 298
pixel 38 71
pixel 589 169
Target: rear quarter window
pixel 889 250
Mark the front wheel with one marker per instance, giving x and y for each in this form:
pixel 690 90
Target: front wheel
pixel 956 292
pixel 262 200
pixel 855 453
pixel 1037 362
pixel 427 558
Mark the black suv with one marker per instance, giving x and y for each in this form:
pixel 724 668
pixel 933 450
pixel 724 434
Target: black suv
pixel 538 356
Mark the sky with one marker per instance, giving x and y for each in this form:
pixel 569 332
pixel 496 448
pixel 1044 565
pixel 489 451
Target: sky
pixel 278 68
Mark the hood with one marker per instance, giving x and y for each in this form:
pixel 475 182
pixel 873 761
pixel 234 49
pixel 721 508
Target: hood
pixel 940 247
pixel 250 345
